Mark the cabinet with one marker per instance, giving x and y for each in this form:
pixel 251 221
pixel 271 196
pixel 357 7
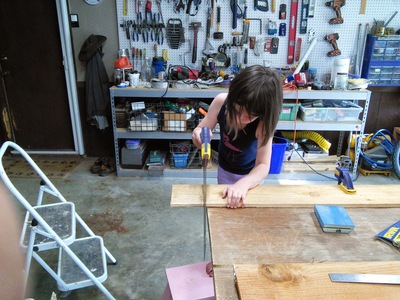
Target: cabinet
pixel 142 93
pixel 381 63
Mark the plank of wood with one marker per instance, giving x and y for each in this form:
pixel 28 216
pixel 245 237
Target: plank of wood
pixel 311 281
pixel 291 196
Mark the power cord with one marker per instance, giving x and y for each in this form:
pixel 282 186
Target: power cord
pixel 381 140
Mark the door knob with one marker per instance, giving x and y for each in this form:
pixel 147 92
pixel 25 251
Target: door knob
pixel 5 73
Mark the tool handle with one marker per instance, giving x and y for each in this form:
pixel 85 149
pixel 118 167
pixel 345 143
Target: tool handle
pixel 218 17
pixel 194 53
pixel 205 143
pixel 208 28
pixel 234 15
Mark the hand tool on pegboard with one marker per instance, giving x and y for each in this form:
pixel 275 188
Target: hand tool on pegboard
pixel 205 157
pixel 125 8
pixel 208 47
pixel 363 6
pixel 234 14
pixel 311 8
pixel 282 11
pixel 261 5
pixel 304 16
pixel 336 5
pixel 332 38
pixel 158 2
pixel 292 31
pixel 218 35
pixel 195 26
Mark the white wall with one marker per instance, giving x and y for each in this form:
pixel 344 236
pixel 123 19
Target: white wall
pixel 100 19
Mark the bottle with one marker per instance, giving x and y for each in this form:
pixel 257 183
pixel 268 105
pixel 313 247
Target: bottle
pixel 146 70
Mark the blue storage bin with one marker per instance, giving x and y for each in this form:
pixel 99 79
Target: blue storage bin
pixel 278 154
pixel 180 160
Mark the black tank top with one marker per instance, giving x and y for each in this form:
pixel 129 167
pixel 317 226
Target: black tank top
pixel 237 156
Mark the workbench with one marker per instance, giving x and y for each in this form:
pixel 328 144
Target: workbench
pixel 285 237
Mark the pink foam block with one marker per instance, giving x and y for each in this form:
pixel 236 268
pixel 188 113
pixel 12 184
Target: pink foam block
pixel 189 282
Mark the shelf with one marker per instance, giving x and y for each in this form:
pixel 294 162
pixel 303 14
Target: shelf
pixel 210 93
pixel 123 133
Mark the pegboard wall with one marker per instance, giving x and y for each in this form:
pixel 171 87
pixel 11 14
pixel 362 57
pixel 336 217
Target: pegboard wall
pixel 348 32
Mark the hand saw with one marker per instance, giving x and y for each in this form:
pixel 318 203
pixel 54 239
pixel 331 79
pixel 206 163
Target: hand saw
pixel 205 156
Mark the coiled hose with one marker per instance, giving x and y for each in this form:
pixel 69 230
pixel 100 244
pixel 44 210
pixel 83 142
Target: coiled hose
pixel 311 135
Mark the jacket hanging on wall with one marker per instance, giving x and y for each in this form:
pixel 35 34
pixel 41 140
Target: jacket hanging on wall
pixel 97 81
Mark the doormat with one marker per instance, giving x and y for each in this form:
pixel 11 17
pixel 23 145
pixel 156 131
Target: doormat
pixel 51 168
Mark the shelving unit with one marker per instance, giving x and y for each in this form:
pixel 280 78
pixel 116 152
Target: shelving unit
pixel 210 93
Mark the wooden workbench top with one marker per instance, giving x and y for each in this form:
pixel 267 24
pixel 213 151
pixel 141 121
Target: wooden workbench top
pixel 291 196
pixel 291 235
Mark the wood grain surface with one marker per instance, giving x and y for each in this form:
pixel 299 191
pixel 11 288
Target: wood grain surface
pixel 311 281
pixel 291 196
pixel 291 235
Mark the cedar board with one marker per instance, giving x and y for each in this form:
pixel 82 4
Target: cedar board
pixel 311 281
pixel 291 196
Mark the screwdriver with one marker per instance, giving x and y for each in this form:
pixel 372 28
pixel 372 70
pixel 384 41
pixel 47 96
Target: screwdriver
pixel 205 145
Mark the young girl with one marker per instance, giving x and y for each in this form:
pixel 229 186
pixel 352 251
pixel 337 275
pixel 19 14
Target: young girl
pixel 247 115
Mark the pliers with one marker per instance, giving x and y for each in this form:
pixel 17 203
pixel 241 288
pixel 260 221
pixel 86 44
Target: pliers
pixel 160 32
pixel 154 31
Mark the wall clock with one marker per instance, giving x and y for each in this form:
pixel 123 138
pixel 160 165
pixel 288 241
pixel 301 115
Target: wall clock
pixel 93 2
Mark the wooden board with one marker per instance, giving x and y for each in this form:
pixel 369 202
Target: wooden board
pixel 291 196
pixel 311 281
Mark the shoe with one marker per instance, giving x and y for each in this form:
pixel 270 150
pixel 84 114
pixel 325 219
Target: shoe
pixel 96 168
pixel 107 168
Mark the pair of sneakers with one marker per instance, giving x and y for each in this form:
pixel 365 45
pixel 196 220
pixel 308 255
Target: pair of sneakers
pixel 103 166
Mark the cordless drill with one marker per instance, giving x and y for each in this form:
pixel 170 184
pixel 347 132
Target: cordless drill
pixel 336 5
pixel 332 38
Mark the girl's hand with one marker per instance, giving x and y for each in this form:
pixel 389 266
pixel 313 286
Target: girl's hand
pixel 235 195
pixel 196 137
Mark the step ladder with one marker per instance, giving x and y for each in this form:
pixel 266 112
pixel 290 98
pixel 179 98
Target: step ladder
pixel 82 261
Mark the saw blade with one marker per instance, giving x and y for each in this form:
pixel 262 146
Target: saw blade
pixel 365 278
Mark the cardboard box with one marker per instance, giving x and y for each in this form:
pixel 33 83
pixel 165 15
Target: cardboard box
pixel 174 121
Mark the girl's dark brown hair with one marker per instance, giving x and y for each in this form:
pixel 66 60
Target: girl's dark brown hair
pixel 258 90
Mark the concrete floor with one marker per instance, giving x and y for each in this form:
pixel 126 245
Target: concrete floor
pixel 145 235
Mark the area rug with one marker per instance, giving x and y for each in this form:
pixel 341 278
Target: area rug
pixel 20 168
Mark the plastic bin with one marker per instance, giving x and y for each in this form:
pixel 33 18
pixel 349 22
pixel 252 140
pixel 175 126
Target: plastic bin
pixel 289 112
pixel 330 114
pixel 132 144
pixel 278 154
pixel 180 160
pixel 184 154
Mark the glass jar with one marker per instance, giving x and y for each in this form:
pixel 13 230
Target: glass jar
pixel 341 81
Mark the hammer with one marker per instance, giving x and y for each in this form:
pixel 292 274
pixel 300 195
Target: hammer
pixel 195 26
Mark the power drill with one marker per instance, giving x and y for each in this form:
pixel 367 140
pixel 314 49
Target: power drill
pixel 336 5
pixel 332 38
